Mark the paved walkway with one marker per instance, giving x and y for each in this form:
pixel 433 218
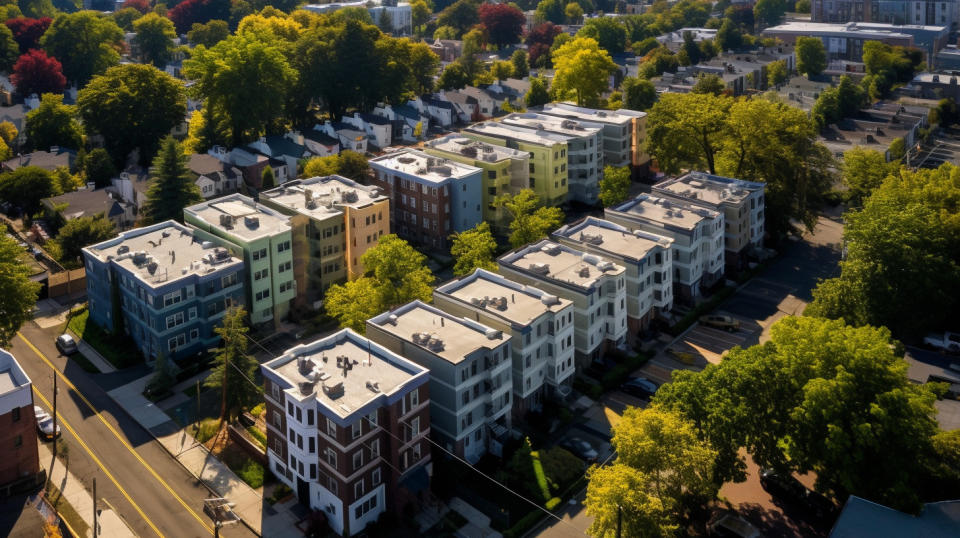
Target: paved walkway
pixel 75 493
pixel 93 355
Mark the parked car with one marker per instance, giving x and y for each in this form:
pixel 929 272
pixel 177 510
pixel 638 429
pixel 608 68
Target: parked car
pixel 732 526
pixel 66 344
pixel 790 489
pixel 640 387
pixel 580 448
pixel 947 341
pixel 45 426
pixel 720 322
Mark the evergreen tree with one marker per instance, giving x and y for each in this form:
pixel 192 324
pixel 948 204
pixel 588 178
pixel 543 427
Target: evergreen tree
pixel 234 369
pixel 172 189
pixel 268 180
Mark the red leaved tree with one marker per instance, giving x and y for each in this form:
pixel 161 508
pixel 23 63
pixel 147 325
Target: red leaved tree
pixel 142 6
pixel 35 72
pixel 503 22
pixel 27 31
pixel 539 41
pixel 188 12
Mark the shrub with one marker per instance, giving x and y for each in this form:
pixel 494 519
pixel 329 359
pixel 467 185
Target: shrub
pixel 561 467
pixel 280 492
pixel 251 473
pixel 207 429
pixel 259 409
pixel 259 436
pixel 552 503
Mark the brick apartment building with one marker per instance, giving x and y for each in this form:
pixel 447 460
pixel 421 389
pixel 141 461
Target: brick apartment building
pixel 20 465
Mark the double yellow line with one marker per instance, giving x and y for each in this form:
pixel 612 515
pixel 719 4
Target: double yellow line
pixel 119 438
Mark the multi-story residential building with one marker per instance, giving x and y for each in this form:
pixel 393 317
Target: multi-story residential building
pixel 21 461
pixel 624 132
pixel 540 326
pixel 335 220
pixel 741 203
pixel 914 12
pixel 697 235
pixel 548 156
pixel 645 256
pixel 167 286
pixel 400 14
pixel 265 237
pixel 595 285
pixel 505 171
pixel 584 151
pixel 347 427
pixel 845 41
pixel 432 197
pixel 470 374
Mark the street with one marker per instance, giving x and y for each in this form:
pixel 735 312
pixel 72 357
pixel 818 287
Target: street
pixel 147 487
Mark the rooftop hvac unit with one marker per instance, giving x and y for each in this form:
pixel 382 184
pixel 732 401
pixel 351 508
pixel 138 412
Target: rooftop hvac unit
pixel 539 268
pixel 226 220
pixel 251 222
pixel 550 248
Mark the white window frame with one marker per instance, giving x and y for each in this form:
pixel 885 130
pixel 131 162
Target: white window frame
pixel 357 459
pixel 375 477
pixel 358 489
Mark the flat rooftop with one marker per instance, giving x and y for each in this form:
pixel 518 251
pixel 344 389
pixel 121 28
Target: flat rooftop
pixel 475 149
pixel 12 377
pixel 670 212
pixel 373 371
pixel 164 252
pixel 613 238
pixel 551 124
pixel 521 305
pixel 322 197
pixel 561 263
pixel 714 190
pixel 852 29
pixel 512 132
pixel 615 117
pixel 445 336
pixel 240 216
pixel 427 167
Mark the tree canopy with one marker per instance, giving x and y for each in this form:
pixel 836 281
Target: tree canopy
pixel 811 55
pixel 638 94
pixel 234 369
pixel 503 22
pixel 18 294
pixel 209 33
pixel 615 185
pixel 173 187
pixel 37 73
pixel 473 249
pixel 85 42
pixel 53 124
pixel 155 35
pixel 529 220
pixel 78 233
pixel 26 186
pixel 582 69
pixel 27 32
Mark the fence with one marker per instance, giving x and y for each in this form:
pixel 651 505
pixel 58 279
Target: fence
pixel 67 282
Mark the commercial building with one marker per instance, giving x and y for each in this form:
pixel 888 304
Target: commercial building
pixel 347 426
pixel 741 202
pixel 584 151
pixel 913 12
pixel 18 425
pixel 167 286
pixel 400 14
pixel 596 286
pixel 540 326
pixel 697 233
pixel 505 171
pixel 334 221
pixel 548 156
pixel 624 132
pixel 645 256
pixel 432 197
pixel 845 41
pixel 264 235
pixel 470 374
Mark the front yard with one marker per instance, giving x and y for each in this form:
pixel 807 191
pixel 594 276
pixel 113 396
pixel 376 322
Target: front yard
pixel 119 350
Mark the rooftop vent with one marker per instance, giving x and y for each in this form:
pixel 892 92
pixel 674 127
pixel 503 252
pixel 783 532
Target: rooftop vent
pixel 549 300
pixel 550 248
pixel 392 319
pixel 306 387
pixel 349 197
pixel 333 391
pixel 592 239
pixel 605 266
pixel 373 386
pixel 584 272
pixel 251 222
pixel 539 268
pixel 206 245
pixel 304 365
pixel 226 221
pixel 493 334
pixel 123 249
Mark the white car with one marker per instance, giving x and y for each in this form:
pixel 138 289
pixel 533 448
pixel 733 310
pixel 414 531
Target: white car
pixel 947 341
pixel 45 425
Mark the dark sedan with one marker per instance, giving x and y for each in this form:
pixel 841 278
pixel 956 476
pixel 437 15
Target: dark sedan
pixel 640 387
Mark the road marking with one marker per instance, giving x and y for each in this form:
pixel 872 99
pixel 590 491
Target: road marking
pixel 117 435
pixel 106 471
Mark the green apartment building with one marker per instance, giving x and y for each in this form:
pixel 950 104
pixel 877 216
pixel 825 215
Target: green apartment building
pixel 266 238
pixel 505 171
pixel 548 156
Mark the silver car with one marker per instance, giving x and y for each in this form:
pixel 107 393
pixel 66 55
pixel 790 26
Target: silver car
pixel 45 425
pixel 66 344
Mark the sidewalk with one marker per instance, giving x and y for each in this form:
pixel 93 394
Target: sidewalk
pixel 74 492
pixel 93 355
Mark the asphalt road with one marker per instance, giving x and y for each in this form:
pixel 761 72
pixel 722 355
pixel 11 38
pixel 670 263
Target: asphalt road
pixel 148 487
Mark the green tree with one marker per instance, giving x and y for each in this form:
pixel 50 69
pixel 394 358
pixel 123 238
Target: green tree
pixel 551 10
pixel 26 186
pixel 802 6
pixel 85 42
pixel 638 94
pixel 352 165
pixel 686 131
pixel 777 73
pixel 172 188
pixel 708 83
pixel 132 107
pixel 399 270
pixel 125 17
pixel 9 50
pixel 729 36
pixel 529 220
pixel 460 15
pixel 573 13
pixel 53 124
pixel 769 12
pixel 18 294
pixel 501 70
pixel 79 233
pixel 445 32
pixel 267 179
pixel 155 35
pixel 581 69
pixel 897 149
pixel 618 497
pixel 521 68
pixel 615 185
pixel 208 34
pixel 98 168
pixel 863 171
pixel 321 166
pixel 537 95
pixel 811 56
pixel 473 249
pixel 420 13
pixel 945 115
pixel 354 302
pixel 234 369
pixel 608 32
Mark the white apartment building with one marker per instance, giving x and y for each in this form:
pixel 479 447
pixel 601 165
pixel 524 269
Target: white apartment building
pixel 540 326
pixel 470 374
pixel 697 233
pixel 624 131
pixel 595 285
pixel 646 257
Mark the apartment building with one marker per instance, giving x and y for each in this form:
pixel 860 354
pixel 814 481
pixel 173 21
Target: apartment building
pixel 540 326
pixel 432 197
pixel 470 374
pixel 697 250
pixel 596 287
pixel 624 132
pixel 584 151
pixel 922 12
pixel 645 256
pixel 845 41
pixel 265 237
pixel 167 286
pixel 505 171
pixel 548 156
pixel 334 221
pixel 347 427
pixel 741 203
pixel 20 466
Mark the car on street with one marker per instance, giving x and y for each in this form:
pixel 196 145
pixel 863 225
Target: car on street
pixel 640 387
pixel 947 341
pixel 582 449
pixel 732 526
pixel 66 344
pixel 726 323
pixel 45 426
pixel 790 489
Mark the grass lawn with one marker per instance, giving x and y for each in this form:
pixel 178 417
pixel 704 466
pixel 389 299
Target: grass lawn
pixel 84 363
pixel 73 519
pixel 118 350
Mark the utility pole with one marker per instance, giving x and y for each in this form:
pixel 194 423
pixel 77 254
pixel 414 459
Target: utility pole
pixel 95 534
pixel 54 413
